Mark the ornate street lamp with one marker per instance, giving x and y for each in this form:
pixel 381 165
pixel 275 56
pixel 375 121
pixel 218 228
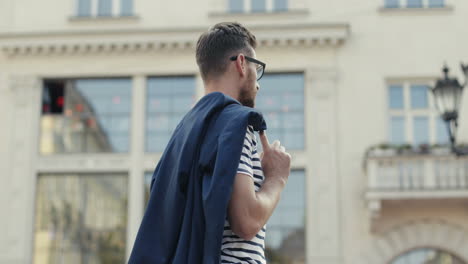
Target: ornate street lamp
pixel 448 93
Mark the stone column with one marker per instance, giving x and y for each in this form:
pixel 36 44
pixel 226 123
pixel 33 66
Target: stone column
pixel 323 192
pixel 136 177
pixel 19 180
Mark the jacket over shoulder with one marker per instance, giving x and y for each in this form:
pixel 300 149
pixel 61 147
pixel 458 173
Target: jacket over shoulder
pixel 192 184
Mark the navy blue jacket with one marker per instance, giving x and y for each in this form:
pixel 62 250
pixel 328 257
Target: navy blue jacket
pixel 192 184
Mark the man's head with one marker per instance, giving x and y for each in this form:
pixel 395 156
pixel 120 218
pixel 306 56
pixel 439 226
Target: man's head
pixel 228 50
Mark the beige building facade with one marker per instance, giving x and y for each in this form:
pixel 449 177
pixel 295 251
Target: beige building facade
pixel 91 89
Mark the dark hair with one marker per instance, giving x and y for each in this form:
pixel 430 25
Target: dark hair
pixel 220 42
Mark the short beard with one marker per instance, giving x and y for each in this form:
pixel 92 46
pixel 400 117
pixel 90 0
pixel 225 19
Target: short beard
pixel 245 100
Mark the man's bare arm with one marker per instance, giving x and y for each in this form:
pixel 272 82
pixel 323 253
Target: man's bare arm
pixel 249 210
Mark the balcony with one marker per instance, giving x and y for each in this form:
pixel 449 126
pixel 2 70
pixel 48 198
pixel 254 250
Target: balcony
pixel 422 177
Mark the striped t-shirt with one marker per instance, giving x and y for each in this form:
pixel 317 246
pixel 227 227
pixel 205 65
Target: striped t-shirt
pixel 235 249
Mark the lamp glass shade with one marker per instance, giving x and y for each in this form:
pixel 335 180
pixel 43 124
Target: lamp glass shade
pixel 447 95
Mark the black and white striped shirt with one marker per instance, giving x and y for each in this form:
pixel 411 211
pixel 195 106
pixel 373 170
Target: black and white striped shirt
pixel 235 249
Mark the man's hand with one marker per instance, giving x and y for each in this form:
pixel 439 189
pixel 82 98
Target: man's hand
pixel 276 162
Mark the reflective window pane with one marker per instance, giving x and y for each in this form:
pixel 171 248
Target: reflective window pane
pixel 396 100
pixel 126 7
pixel 104 7
pixel 392 3
pixel 397 130
pixel 281 100
pixel 147 185
pixel 427 255
pixel 285 239
pixel 84 8
pixel 258 5
pixel 168 100
pixel 414 3
pixel 94 116
pixel 280 5
pixel 236 6
pixel 442 133
pixel 419 96
pixel 420 130
pixel 436 3
pixel 80 218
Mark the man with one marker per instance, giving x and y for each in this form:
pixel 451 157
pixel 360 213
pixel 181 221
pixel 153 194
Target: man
pixel 212 193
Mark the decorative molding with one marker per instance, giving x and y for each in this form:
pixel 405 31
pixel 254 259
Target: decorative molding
pixel 141 40
pixel 421 233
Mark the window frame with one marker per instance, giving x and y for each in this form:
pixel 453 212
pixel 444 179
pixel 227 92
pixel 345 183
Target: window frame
pixel 304 113
pixel 270 7
pixel 68 190
pixel 117 10
pixel 147 79
pixel 409 114
pixel 70 83
pixel 404 4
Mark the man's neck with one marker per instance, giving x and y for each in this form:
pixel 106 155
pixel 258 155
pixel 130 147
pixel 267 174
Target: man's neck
pixel 222 86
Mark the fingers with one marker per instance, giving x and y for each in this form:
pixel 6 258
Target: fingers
pixel 264 140
pixel 276 144
pixel 266 145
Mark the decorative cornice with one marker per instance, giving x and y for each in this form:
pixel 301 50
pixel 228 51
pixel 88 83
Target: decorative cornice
pixel 147 40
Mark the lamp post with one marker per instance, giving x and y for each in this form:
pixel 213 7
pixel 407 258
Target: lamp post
pixel 448 93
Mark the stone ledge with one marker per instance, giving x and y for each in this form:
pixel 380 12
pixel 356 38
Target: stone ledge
pixel 147 40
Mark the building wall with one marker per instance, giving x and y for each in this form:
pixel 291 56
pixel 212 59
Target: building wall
pixel 345 91
pixel 387 45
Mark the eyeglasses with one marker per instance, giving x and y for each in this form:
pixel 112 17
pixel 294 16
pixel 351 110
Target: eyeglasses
pixel 260 65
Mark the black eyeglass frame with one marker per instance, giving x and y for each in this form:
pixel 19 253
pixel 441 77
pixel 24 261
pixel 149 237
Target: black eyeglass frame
pixel 233 58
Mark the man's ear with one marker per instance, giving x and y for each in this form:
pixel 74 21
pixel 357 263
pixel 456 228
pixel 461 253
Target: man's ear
pixel 241 66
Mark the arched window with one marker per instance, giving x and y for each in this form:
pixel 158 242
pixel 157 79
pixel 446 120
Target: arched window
pixel 427 256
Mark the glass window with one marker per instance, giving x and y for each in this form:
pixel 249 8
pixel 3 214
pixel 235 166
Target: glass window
pixel 148 176
pixel 86 115
pixel 80 218
pixel 414 3
pixel 168 100
pixel 392 3
pixel 258 5
pixel 436 3
pixel 236 6
pixel 427 255
pixel 419 97
pixel 281 100
pixel 126 7
pixel 420 130
pixel 104 7
pixel 84 7
pixel 397 130
pixel 285 239
pixel 442 133
pixel 280 5
pixel 396 97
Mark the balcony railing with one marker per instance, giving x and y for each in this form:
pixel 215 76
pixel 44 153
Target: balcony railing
pixel 414 177
pixel 417 173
